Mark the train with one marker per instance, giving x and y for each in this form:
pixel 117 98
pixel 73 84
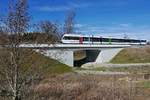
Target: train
pixel 91 39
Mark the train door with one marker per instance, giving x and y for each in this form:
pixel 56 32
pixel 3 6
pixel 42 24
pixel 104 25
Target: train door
pixel 81 40
pixel 92 39
pixel 101 39
pixel 109 40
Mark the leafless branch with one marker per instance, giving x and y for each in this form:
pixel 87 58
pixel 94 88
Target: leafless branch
pixel 69 22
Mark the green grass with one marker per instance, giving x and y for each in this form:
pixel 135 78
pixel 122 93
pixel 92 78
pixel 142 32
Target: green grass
pixel 144 84
pixel 39 63
pixel 133 70
pixel 133 55
pixel 104 69
pixel 47 65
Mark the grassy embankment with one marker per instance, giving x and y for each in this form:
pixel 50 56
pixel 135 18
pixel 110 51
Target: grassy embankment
pixel 41 63
pixel 133 55
pixel 130 55
pixel 46 64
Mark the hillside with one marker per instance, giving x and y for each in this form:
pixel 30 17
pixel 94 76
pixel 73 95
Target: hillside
pixel 39 62
pixel 133 55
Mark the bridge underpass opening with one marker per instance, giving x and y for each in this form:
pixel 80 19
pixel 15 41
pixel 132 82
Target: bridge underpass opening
pixel 84 56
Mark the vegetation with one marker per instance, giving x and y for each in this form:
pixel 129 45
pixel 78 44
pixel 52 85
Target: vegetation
pixel 49 32
pixel 39 62
pixel 69 22
pixel 133 70
pixel 133 55
pixel 145 84
pixel 35 65
pixel 17 71
pixel 28 75
pixel 72 86
pixel 82 87
pixel 46 65
pixel 14 79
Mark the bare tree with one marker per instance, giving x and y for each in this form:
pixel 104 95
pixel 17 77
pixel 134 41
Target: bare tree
pixel 49 32
pixel 14 78
pixel 3 32
pixel 1 29
pixel 69 22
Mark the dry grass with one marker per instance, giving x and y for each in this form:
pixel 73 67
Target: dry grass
pixel 73 86
pixel 132 70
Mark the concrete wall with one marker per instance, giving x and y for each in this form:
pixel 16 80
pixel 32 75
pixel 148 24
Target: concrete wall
pixel 66 56
pixel 63 56
pixel 107 55
pixel 91 56
pixel 64 52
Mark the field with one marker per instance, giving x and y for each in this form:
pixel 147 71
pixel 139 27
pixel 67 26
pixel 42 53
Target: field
pixel 73 86
pixel 64 83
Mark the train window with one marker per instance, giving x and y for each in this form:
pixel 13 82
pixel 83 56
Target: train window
pixel 126 40
pixel 85 38
pixel 118 40
pixel 115 40
pixel 133 41
pixel 143 40
pixel 71 38
pixel 95 39
pixel 91 39
pixel 137 41
pixel 105 39
pixel 122 40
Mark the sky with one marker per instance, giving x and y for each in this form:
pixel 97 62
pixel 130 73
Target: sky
pixel 112 18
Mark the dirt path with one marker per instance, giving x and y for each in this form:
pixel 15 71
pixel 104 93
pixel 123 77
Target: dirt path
pixel 95 65
pixel 100 72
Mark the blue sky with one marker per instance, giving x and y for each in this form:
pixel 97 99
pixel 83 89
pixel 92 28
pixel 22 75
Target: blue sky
pixel 104 17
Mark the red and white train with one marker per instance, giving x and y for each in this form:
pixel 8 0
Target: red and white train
pixel 90 39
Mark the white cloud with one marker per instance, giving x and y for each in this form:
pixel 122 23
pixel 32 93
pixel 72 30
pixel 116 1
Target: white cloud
pixel 125 25
pixel 53 9
pixel 57 8
pixel 112 3
pixel 80 5
pixel 118 30
pixel 79 25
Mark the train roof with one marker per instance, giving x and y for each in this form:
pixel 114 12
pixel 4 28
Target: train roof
pixel 72 35
pixel 82 35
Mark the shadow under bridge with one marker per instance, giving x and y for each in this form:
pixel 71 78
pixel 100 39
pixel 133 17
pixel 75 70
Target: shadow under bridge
pixel 84 56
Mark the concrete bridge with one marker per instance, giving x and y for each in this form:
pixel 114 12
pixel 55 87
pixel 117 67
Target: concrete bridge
pixel 77 54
